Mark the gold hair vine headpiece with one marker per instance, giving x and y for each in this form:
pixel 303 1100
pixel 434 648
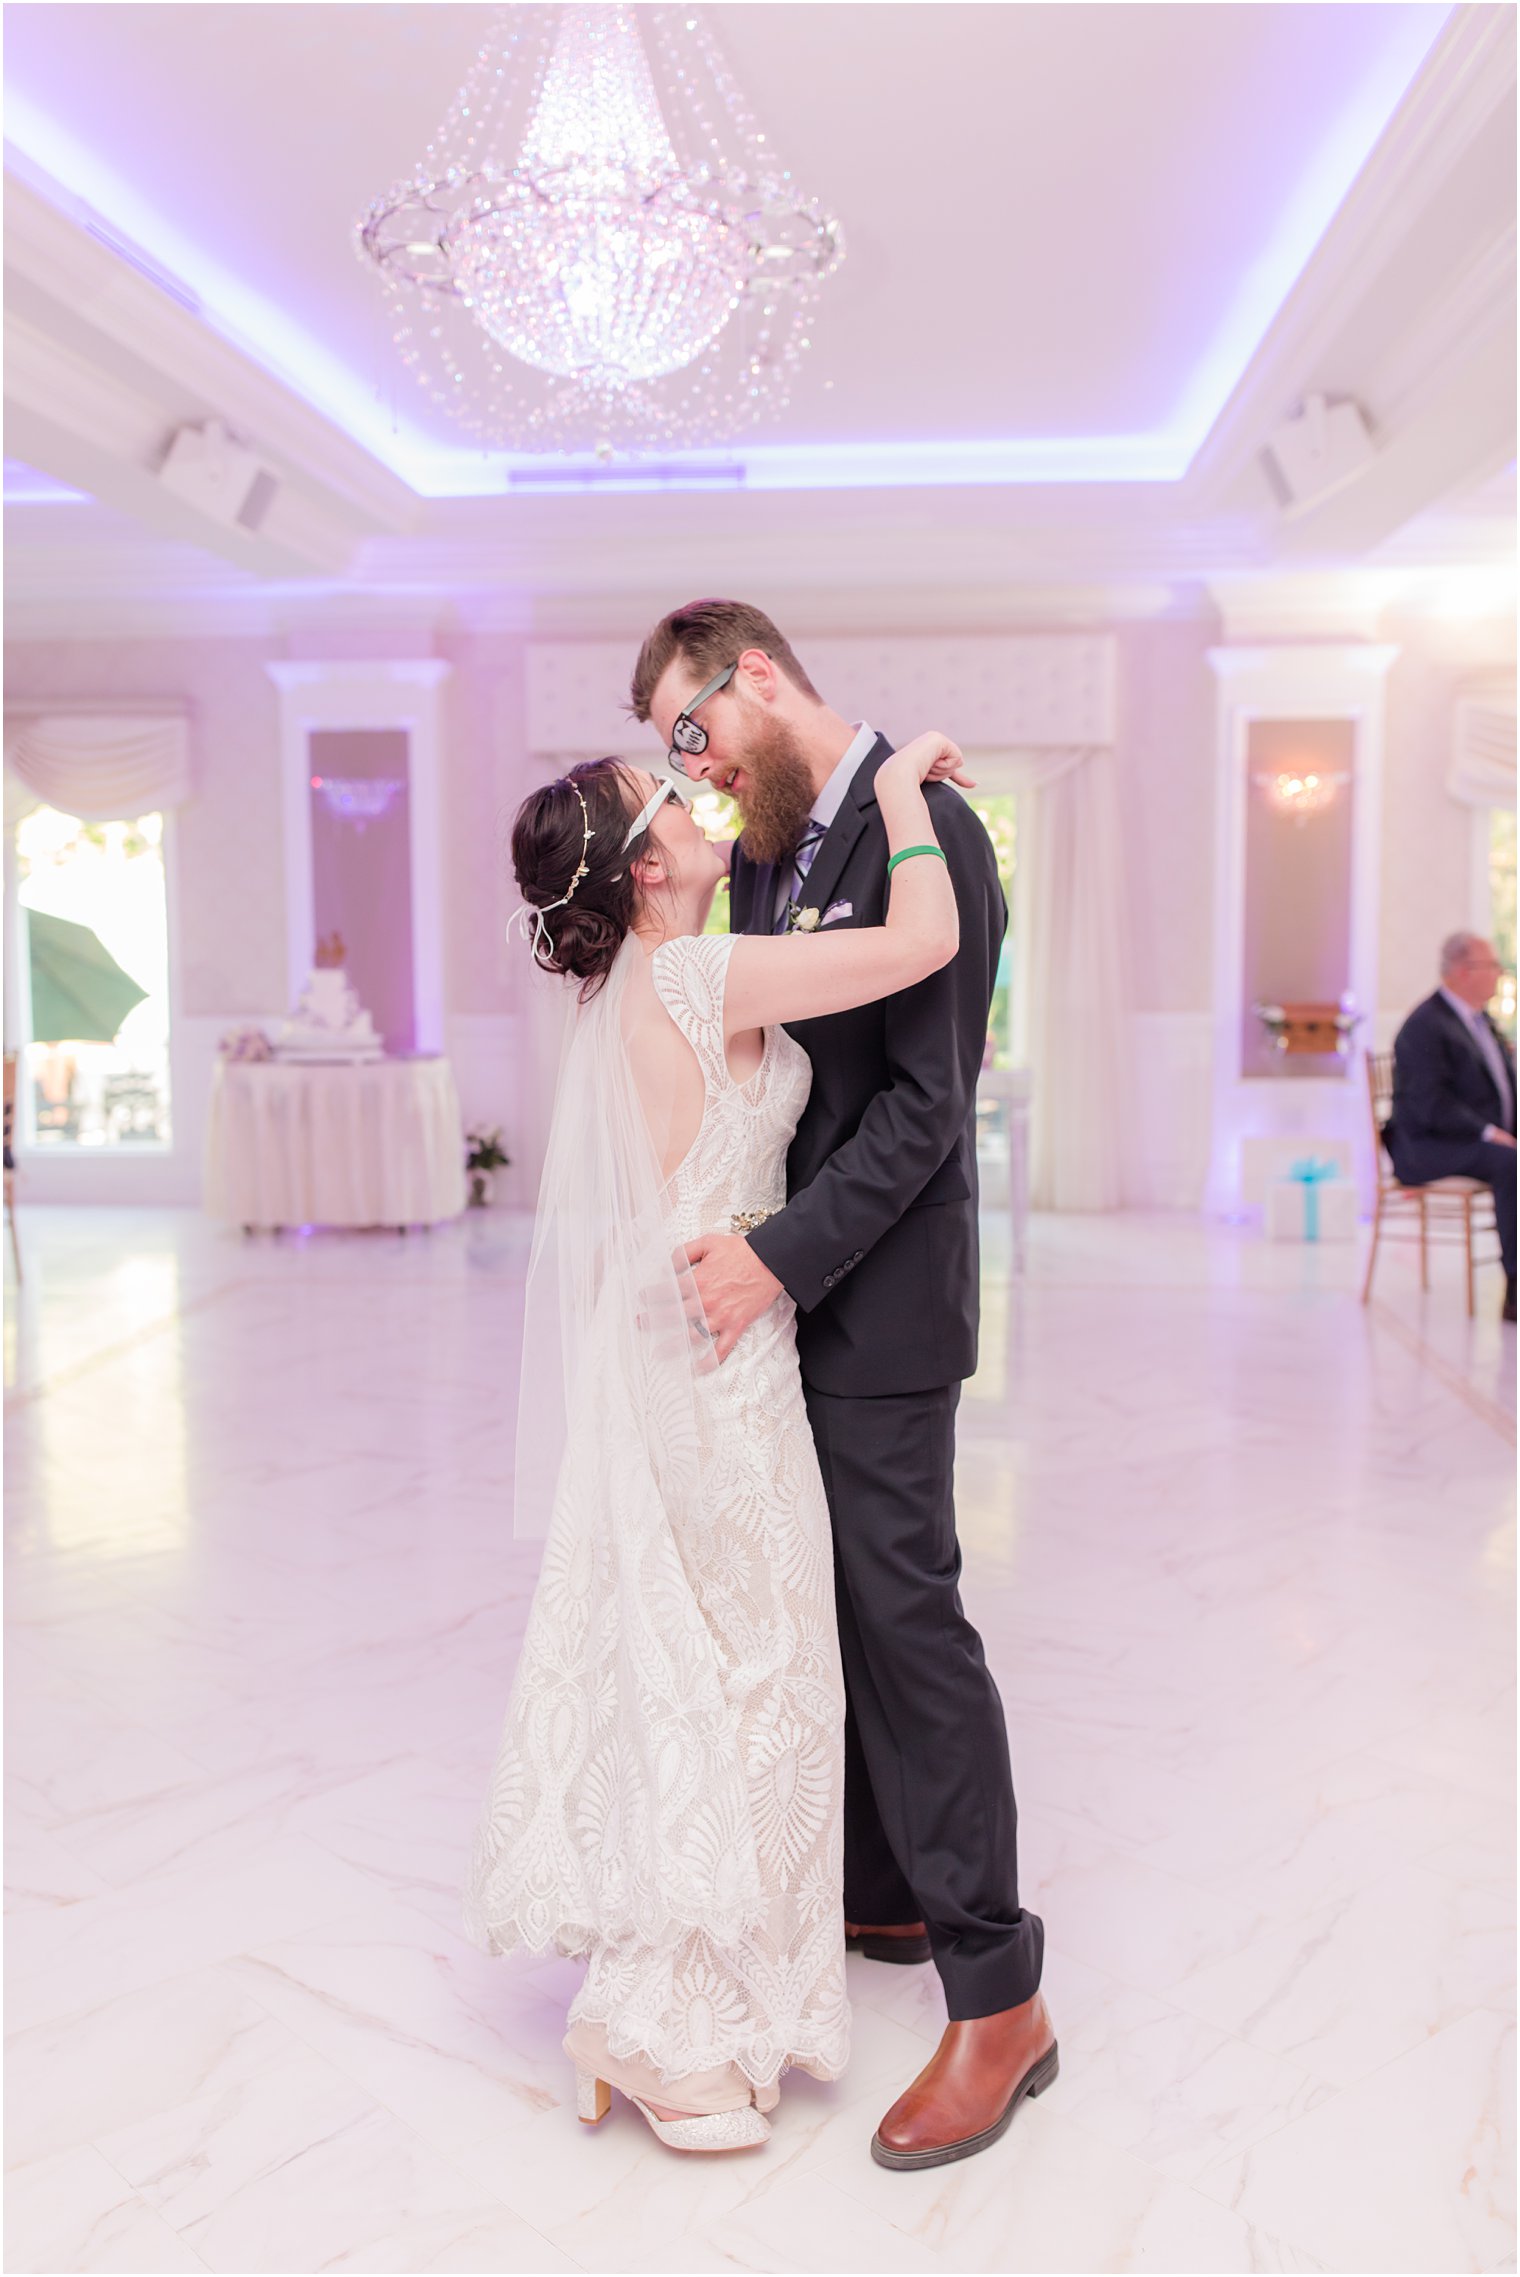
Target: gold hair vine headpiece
pixel 541 931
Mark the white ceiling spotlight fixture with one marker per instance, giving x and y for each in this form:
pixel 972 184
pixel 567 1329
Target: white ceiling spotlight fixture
pixel 1321 448
pixel 218 475
pixel 600 249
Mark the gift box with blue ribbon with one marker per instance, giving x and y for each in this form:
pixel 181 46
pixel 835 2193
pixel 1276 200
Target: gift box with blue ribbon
pixel 1311 1201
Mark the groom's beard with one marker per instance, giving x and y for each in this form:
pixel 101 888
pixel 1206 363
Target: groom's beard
pixel 778 795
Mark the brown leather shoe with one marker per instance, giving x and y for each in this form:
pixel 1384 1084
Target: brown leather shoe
pixel 965 2097
pixel 899 1941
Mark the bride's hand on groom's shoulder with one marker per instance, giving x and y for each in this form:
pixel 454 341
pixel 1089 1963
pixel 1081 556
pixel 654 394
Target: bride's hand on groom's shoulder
pixel 933 758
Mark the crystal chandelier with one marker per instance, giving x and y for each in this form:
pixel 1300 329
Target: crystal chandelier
pixel 600 250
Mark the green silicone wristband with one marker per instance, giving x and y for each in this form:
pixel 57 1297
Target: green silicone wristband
pixel 908 853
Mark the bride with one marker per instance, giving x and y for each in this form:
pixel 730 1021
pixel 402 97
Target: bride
pixel 667 1798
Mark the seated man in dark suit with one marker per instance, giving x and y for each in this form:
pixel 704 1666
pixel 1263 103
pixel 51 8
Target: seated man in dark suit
pixel 1454 1090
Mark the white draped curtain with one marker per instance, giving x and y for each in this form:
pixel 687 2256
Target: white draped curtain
pixel 1068 1014
pixel 101 766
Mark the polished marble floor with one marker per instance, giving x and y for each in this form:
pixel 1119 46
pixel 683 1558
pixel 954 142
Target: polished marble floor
pixel 1243 1557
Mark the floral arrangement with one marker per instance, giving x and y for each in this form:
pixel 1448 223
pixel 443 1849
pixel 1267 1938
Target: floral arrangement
pixel 484 1155
pixel 245 1043
pixel 484 1150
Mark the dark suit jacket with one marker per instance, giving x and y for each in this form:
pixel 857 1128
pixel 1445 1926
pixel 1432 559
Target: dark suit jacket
pixel 1441 1087
pixel 878 1242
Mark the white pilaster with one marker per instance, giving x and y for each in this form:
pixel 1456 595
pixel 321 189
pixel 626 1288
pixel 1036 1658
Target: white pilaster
pixel 384 693
pixel 1342 680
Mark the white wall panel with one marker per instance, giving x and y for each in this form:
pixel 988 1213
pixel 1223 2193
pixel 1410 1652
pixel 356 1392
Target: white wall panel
pixel 1039 689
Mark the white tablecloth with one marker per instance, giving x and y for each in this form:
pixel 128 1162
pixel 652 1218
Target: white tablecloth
pixel 377 1145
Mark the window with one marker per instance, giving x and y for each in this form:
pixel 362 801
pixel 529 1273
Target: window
pixel 719 817
pixel 94 972
pixel 1501 903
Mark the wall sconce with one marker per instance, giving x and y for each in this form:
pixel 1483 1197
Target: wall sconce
pixel 357 798
pixel 1300 795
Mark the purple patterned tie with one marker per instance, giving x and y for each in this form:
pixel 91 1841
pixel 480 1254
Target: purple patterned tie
pixel 812 838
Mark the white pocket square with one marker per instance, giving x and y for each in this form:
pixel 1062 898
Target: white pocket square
pixel 838 909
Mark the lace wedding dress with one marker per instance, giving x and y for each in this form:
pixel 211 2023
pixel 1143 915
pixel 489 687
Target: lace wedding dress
pixel 727 1950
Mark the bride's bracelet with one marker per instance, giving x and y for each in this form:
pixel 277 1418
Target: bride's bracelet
pixel 908 853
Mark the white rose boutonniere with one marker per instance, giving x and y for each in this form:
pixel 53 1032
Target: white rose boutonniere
pixel 802 920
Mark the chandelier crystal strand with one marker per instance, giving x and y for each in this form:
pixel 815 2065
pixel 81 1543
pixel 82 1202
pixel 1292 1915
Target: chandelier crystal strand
pixel 793 246
pixel 598 248
pixel 615 266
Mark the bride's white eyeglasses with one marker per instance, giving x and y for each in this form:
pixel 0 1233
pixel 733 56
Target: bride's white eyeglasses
pixel 649 810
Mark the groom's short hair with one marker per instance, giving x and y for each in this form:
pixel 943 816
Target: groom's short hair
pixel 707 635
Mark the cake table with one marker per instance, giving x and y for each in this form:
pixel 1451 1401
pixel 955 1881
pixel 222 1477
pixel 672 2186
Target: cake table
pixel 364 1144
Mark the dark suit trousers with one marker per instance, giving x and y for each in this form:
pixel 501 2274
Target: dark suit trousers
pixel 930 1822
pixel 1417 1161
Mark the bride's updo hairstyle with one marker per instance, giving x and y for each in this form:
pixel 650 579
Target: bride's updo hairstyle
pixel 581 937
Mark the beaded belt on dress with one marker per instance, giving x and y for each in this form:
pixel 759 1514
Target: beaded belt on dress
pixel 745 1221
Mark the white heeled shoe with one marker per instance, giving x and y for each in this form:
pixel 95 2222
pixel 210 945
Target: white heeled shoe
pixel 743 2129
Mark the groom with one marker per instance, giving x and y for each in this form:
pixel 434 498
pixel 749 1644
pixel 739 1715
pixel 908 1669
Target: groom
pixel 878 1247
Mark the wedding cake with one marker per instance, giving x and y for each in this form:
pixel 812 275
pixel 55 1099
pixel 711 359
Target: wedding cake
pixel 328 1023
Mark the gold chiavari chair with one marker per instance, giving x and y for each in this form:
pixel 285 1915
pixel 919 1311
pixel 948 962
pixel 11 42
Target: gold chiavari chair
pixel 1447 1210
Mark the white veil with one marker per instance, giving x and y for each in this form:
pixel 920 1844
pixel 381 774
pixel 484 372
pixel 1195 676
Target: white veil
pixel 619 1806
pixel 608 1318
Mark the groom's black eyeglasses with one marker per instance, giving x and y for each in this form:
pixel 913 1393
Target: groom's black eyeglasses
pixel 688 737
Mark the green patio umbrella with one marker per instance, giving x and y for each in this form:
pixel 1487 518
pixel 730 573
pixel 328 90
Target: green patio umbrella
pixel 79 992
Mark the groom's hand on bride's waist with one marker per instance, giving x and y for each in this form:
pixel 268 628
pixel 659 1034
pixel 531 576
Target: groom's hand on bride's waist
pixel 732 1287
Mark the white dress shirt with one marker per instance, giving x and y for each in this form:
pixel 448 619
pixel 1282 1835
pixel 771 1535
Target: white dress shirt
pixel 1493 1059
pixel 828 803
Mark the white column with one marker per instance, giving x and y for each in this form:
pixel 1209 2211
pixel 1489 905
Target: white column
pixel 386 693
pixel 1324 680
